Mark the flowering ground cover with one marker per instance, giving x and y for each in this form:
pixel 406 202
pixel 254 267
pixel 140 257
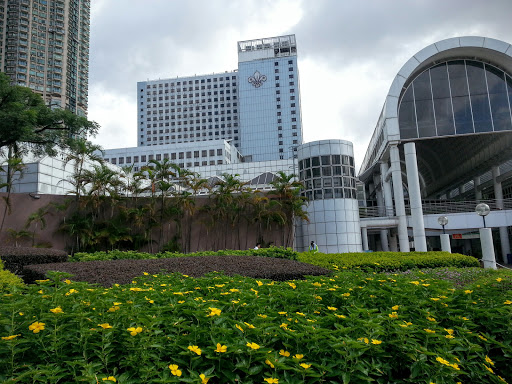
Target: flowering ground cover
pixel 351 327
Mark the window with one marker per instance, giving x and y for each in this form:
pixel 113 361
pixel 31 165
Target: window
pixel 143 158
pixel 159 157
pixel 219 152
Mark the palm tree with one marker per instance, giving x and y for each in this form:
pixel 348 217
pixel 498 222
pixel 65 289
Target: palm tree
pixel 80 152
pixel 37 217
pixel 287 192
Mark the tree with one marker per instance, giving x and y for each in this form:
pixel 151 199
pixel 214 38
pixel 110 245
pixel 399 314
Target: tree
pixel 13 169
pixel 292 203
pixel 25 121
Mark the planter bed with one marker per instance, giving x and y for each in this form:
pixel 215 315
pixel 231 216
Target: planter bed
pixel 112 272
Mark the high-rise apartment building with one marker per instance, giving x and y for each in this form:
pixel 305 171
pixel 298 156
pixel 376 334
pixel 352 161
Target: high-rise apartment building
pixel 44 45
pixel 257 108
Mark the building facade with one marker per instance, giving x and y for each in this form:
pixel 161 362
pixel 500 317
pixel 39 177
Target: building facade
pixel 269 94
pixel 256 107
pixel 45 46
pixel 442 144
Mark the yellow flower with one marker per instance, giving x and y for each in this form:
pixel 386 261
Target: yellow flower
pixel 488 360
pixel 259 283
pixel 204 379
pixel 415 282
pixel 10 337
pixel 71 291
pixel 508 302
pixel 284 353
pixel 429 330
pixel 253 345
pixel 292 285
pixel 499 279
pixel 134 331
pixel 431 319
pixel 366 341
pixel 110 378
pixel 271 380
pixel 268 362
pixel 300 314
pixel 282 313
pixel 56 310
pixel 214 311
pixel 488 368
pixel 36 327
pixel 434 298
pixel 239 327
pixel 105 325
pixel 442 361
pixel 467 291
pixel 395 308
pixel 175 370
pixel 346 294
pixel 195 349
pixel 249 325
pixel 262 316
pixel 393 315
pixel 481 337
pixel 67 281
pixel 374 341
pixel 450 337
pixel 113 309
pixel 340 316
pixel 221 348
pixel 449 331
pixel 305 366
pixel 332 308
pixel 284 325
pixel 298 356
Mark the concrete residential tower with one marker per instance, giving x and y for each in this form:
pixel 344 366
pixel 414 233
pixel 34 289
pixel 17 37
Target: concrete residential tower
pixel 45 46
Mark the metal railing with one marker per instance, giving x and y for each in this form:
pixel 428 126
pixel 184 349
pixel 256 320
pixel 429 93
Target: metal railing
pixel 432 207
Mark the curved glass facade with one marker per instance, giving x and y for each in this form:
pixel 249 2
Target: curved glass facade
pixel 328 177
pixel 456 97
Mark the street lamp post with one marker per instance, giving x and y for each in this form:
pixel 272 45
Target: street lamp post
pixel 445 239
pixel 488 256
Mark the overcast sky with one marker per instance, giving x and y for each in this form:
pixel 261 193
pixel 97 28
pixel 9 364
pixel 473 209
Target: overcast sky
pixel 348 52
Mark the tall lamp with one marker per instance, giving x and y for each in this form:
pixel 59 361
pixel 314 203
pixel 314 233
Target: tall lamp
pixel 488 256
pixel 445 239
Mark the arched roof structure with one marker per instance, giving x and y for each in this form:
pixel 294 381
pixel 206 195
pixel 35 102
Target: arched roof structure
pixel 451 157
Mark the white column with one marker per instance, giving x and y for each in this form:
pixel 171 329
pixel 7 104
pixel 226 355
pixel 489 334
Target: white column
pixel 393 246
pixel 488 256
pixel 396 173
pixel 386 188
pixel 413 182
pixel 498 194
pixel 478 191
pixel 364 237
pixel 445 243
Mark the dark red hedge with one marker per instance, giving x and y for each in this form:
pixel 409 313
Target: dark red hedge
pixel 110 272
pixel 16 258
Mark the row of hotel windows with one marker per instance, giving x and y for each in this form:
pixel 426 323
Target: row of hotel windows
pixel 190 89
pixel 191 102
pixel 172 156
pixel 196 81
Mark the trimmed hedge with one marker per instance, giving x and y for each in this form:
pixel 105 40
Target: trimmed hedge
pixel 15 258
pixel 8 280
pixel 388 261
pixel 275 252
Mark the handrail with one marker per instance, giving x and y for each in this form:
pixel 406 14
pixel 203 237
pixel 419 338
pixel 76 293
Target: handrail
pixel 431 207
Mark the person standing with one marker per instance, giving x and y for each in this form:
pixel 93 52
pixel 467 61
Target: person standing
pixel 313 248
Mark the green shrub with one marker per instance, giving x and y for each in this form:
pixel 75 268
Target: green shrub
pixel 388 261
pixel 8 280
pixel 278 252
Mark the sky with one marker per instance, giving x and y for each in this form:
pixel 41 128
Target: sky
pixel 349 52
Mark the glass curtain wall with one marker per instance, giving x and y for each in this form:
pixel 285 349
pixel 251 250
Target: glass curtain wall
pixel 456 97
